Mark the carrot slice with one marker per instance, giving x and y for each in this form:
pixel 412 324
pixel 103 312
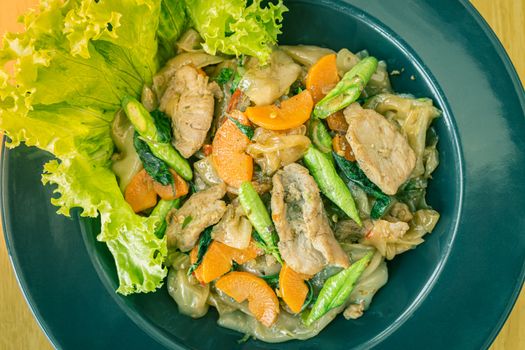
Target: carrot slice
pixel 262 301
pixel 218 260
pixel 293 288
pixel 170 192
pixel 292 113
pixel 322 77
pixel 337 122
pixel 140 192
pixel 343 148
pixel 233 165
pixel 215 263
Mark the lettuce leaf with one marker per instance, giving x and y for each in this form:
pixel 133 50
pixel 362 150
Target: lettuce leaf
pixel 72 66
pixel 228 26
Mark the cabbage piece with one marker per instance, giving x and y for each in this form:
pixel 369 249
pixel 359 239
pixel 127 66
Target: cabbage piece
pixel 73 64
pixel 307 55
pixel 414 116
pixel 231 27
pixel 393 238
pixel 272 150
pixel 265 84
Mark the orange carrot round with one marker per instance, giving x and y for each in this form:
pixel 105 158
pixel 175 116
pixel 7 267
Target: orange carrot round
pixel 233 165
pixel 293 288
pixel 322 77
pixel 262 301
pixel 140 192
pixel 292 113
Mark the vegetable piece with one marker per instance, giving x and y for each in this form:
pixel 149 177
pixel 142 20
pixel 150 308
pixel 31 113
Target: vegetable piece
pixel 140 193
pixel 320 136
pixel 330 184
pixel 177 189
pixel 159 214
pixel 218 260
pixel 234 100
pixel 337 289
pixel 78 71
pixel 343 148
pixel 337 122
pixel 293 288
pixel 233 28
pixel 224 76
pixel 260 219
pixel 145 125
pixel 352 171
pixel 262 301
pixel 245 129
pixel 155 167
pixel 172 22
pixel 201 248
pixel 292 113
pixel 272 280
pixel 322 77
pixel 307 55
pixel 126 163
pixel 347 90
pixel 233 165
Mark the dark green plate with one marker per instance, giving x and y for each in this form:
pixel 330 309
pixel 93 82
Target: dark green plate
pixel 453 292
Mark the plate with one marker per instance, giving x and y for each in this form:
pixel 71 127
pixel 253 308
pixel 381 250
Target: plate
pixel 462 282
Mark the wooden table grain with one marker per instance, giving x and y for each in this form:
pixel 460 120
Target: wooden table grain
pixel 18 328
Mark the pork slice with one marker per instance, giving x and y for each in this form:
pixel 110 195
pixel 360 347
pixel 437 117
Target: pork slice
pixel 202 209
pixel 189 102
pixel 307 242
pixel 382 152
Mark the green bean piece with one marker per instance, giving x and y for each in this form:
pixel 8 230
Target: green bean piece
pixel 145 125
pixel 348 89
pixel 258 215
pixel 330 184
pixel 159 213
pixel 337 289
pixel 320 136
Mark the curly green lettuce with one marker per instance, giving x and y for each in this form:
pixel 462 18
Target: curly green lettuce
pixel 72 66
pixel 231 27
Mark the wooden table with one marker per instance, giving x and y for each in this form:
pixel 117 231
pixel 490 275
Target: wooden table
pixel 18 328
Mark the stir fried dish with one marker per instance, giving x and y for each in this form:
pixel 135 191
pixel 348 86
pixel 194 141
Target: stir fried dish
pixel 271 182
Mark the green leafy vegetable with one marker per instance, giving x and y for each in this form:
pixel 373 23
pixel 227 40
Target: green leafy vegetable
pixel 204 243
pixel 73 64
pixel 163 125
pixel 233 28
pixel 173 22
pixel 337 289
pixel 258 215
pixel 272 280
pixel 224 76
pixel 245 129
pixel 310 296
pixel 155 167
pixel 352 171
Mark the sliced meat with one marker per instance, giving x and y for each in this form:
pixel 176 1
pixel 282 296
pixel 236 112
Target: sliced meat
pixel 189 102
pixel 307 242
pixel 201 210
pixel 381 151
